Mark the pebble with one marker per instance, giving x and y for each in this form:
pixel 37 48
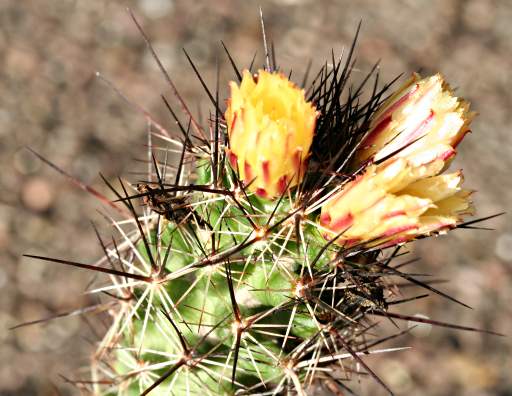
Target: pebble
pixel 503 247
pixel 37 194
pixel 25 162
pixel 419 329
pixel 479 15
pixel 3 278
pixel 155 9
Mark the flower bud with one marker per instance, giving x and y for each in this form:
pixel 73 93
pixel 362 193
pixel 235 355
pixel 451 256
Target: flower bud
pixel 394 203
pixel 422 121
pixel 270 127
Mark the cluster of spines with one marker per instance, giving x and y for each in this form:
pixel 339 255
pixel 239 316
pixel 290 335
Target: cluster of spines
pixel 210 241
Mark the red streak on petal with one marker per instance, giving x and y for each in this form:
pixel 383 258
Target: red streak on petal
pixel 421 128
pixel 342 223
pixel 232 158
pixel 351 242
pixel 349 186
pixel 398 103
pixel 297 161
pixel 266 171
pixel 325 219
pixel 397 230
pixel 447 155
pixel 396 241
pixel 248 172
pixel 282 183
pixel 260 192
pixel 393 214
pixel 375 132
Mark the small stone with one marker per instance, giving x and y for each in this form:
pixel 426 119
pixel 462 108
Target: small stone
pixel 479 15
pixel 503 247
pixel 37 195
pixel 31 338
pixel 20 62
pixel 156 8
pixel 398 375
pixel 3 278
pixel 166 53
pixel 8 321
pixel 4 236
pixel 419 329
pixel 5 119
pixel 290 2
pixel 25 162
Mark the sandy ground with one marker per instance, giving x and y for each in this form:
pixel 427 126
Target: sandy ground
pixel 51 101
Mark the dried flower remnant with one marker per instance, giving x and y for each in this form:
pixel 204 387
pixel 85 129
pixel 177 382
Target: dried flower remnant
pixel 270 128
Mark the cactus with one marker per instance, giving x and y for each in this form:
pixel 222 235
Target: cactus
pixel 257 261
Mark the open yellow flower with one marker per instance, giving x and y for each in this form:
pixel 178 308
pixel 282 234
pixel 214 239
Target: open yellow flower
pixel 401 194
pixel 270 127
pixel 394 203
pixel 422 121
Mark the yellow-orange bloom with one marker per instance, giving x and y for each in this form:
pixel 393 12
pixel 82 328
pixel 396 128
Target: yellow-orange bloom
pixel 270 127
pixel 394 203
pixel 422 121
pixel 411 138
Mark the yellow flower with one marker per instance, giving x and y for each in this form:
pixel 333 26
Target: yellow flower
pixel 394 203
pixel 270 127
pixel 422 121
pixel 401 194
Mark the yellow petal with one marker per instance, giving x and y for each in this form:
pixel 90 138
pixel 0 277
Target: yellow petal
pixel 422 119
pixel 270 128
pixel 435 188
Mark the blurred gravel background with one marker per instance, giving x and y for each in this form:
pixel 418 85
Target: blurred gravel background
pixel 51 101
